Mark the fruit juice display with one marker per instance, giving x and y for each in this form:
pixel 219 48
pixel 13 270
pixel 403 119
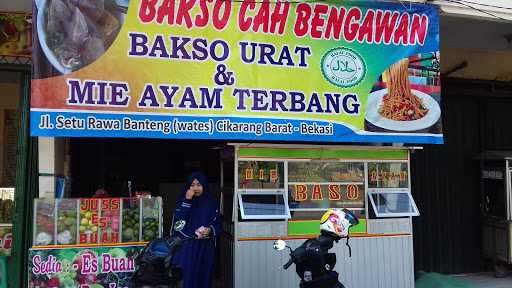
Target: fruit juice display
pixel 131 219
pixel 97 220
pixel 109 220
pixel 151 218
pixel 44 233
pixel 89 221
pixel 67 225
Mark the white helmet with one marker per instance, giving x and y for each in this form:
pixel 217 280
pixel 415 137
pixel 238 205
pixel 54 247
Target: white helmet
pixel 338 222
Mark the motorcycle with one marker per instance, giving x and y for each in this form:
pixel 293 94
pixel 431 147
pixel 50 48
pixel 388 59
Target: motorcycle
pixel 154 265
pixel 154 262
pixel 314 264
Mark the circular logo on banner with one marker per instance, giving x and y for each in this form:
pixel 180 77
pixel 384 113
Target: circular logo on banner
pixel 343 67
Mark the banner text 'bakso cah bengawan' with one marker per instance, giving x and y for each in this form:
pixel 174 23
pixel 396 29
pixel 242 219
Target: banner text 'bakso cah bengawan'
pixel 355 71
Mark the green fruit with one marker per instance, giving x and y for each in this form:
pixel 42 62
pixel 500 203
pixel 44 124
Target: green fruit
pixel 128 233
pixel 148 235
pixel 69 221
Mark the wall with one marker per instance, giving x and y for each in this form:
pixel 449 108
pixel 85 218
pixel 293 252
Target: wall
pixel 501 9
pixel 9 95
pixel 483 65
pixel 445 184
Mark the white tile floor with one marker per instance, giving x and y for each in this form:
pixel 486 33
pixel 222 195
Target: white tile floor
pixel 486 280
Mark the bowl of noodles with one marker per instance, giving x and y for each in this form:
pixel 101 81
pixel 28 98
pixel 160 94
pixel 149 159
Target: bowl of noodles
pixel 398 107
pixel 74 33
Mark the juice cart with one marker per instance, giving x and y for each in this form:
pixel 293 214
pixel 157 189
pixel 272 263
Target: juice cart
pixel 90 242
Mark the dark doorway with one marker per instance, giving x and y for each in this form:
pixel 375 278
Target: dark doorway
pixel 157 166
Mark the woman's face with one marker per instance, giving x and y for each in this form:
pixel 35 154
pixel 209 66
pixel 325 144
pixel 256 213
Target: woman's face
pixel 197 188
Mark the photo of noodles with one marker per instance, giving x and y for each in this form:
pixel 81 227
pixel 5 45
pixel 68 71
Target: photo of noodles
pixel 400 104
pixel 406 97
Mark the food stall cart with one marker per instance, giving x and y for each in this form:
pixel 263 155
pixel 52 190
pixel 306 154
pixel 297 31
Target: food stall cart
pixel 496 205
pixel 90 242
pixel 281 191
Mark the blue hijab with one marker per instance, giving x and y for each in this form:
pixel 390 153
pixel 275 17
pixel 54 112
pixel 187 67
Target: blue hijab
pixel 196 257
pixel 204 207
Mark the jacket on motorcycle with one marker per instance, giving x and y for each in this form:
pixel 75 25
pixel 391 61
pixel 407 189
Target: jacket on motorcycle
pixel 314 265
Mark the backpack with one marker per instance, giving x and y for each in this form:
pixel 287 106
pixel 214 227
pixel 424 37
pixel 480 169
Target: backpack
pixel 154 263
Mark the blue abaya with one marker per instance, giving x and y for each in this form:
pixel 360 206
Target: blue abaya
pixel 196 257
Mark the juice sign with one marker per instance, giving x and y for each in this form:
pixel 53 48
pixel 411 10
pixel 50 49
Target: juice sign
pixel 109 220
pixel 99 220
pixel 88 221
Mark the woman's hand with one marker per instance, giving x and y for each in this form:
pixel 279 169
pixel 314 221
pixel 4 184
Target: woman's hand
pixel 190 194
pixel 203 232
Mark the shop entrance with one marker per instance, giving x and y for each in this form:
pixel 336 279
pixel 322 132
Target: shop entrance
pixel 9 107
pixel 154 166
pixel 16 170
pixel 159 167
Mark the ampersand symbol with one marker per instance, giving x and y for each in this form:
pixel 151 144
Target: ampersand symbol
pixel 224 77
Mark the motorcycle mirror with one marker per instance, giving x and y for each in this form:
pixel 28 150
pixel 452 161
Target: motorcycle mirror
pixel 279 245
pixel 179 225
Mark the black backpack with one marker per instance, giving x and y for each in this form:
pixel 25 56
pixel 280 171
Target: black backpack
pixel 154 265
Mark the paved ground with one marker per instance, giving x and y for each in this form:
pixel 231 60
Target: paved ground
pixel 486 280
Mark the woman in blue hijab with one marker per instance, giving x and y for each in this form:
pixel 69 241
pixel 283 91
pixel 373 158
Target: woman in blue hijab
pixel 199 210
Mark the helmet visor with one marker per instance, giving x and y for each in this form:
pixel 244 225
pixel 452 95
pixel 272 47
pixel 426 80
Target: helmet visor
pixel 351 218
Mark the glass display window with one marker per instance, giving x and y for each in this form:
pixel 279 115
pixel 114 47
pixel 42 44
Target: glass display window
pixel 6 204
pixel 388 175
pixel 315 186
pixel 109 220
pixel 44 226
pixel 260 175
pixel 151 218
pixel 325 196
pixel 89 221
pixel 131 220
pixel 263 205
pixel 67 221
pixel 393 203
pixel 325 172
